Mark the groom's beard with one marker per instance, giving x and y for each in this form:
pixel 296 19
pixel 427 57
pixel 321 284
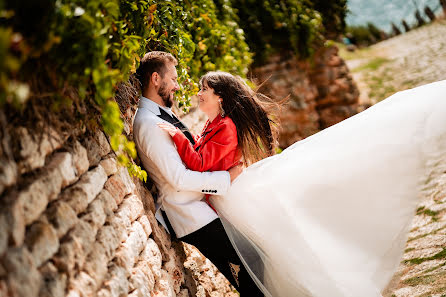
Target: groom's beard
pixel 165 95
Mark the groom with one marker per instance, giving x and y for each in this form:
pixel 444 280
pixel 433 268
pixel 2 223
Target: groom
pixel 180 206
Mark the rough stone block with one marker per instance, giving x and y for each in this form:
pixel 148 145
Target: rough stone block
pixel 130 209
pixel 104 293
pixel 129 251
pixel 174 268
pixel 108 202
pixel 160 236
pixel 3 233
pixel 146 196
pixel 35 198
pixel 63 163
pixel 61 216
pixel 73 293
pixel 183 293
pixel 96 263
pixel 42 242
pixel 82 285
pixel 136 293
pixel 4 288
pixel 80 159
pixel 109 238
pixel 97 146
pixel 65 259
pixel 3 271
pixel 85 190
pixel 117 282
pixel 144 221
pixel 8 173
pixel 124 173
pixel 54 283
pixel 110 165
pixel 116 187
pixel 75 198
pixel 95 215
pixel 23 278
pixel 76 246
pixel 163 286
pixel 13 214
pixel 33 150
pixel 84 234
pixel 142 279
pixel 152 257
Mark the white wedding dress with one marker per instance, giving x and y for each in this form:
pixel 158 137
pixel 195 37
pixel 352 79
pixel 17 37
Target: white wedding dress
pixel 329 216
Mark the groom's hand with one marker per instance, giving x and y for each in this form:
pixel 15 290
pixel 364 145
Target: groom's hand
pixel 235 171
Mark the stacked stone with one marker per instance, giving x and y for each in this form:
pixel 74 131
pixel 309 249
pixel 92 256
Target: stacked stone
pixel 283 76
pixel 73 223
pixel 337 92
pixel 210 281
pixel 321 92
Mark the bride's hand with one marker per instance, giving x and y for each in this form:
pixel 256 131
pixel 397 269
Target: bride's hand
pixel 235 171
pixel 168 128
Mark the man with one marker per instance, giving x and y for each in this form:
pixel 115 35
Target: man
pixel 181 208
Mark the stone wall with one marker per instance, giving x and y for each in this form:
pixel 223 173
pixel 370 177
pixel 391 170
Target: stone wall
pixel 321 92
pixel 74 223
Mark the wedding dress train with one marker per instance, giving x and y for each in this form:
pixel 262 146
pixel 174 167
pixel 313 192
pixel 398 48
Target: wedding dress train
pixel 329 216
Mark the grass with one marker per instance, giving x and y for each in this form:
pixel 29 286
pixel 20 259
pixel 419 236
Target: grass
pixel 424 235
pixel 439 255
pixel 362 53
pixel 372 65
pixel 380 87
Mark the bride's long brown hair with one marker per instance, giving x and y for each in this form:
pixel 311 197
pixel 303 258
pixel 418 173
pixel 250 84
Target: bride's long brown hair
pixel 251 112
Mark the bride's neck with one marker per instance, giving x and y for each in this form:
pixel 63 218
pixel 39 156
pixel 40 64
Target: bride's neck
pixel 212 116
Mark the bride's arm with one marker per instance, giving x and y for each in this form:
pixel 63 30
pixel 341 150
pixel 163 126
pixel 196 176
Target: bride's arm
pixel 219 143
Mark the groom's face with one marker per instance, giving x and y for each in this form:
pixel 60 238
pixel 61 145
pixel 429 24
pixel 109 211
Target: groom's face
pixel 169 85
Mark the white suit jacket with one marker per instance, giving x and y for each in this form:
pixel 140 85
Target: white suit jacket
pixel 180 190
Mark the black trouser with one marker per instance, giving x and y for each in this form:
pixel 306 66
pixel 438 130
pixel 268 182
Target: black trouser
pixel 212 241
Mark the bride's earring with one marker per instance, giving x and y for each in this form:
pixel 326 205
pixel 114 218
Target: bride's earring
pixel 222 111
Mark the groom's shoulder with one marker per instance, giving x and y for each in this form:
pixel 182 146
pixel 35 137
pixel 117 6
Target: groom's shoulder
pixel 145 117
pixel 144 120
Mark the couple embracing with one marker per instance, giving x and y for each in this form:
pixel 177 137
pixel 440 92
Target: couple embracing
pixel 329 216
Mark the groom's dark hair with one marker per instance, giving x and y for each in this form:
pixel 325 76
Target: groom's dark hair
pixel 155 61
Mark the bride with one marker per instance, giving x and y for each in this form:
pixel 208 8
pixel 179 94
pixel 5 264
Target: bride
pixel 329 216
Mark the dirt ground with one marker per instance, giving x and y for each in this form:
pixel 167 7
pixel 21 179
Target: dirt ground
pixel 406 61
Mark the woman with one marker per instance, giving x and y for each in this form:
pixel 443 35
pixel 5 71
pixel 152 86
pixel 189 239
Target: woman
pixel 238 126
pixel 329 216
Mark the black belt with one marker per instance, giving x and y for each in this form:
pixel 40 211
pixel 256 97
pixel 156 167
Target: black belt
pixel 168 225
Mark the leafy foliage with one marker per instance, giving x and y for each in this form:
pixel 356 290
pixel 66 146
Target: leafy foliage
pixel 275 25
pixel 364 35
pixel 93 45
pixel 333 16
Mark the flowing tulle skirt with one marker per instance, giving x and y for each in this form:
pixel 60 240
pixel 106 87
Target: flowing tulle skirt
pixel 329 216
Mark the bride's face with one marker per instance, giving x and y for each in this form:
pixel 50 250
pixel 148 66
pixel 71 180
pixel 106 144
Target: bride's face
pixel 208 100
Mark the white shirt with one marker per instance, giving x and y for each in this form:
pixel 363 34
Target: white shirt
pixel 180 189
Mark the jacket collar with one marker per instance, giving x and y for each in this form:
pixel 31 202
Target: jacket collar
pixel 213 124
pixel 152 106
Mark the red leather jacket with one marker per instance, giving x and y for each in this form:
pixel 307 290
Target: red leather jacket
pixel 215 150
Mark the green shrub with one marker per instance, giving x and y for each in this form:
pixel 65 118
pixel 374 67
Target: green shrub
pixel 364 35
